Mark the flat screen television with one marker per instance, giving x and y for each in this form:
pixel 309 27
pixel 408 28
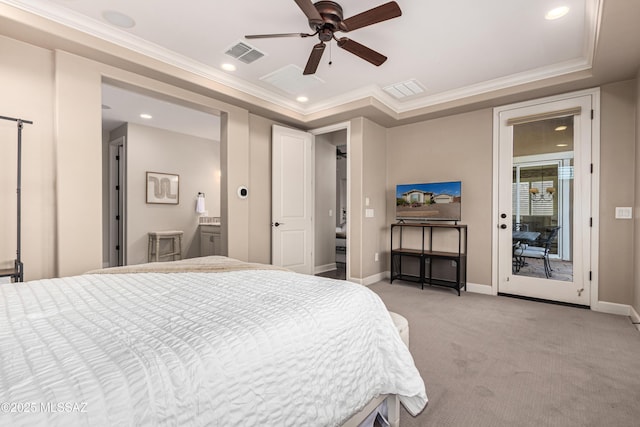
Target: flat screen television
pixel 433 201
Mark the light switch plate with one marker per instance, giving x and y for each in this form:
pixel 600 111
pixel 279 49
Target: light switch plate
pixel 368 213
pixel 624 212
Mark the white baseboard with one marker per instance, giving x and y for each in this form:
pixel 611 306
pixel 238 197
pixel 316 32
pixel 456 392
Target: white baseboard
pixel 471 287
pixel 635 318
pixel 324 268
pixel 477 288
pixel 5 279
pixel 370 280
pixel 375 278
pixel 612 308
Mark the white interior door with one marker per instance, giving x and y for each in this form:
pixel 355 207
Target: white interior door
pixel 292 199
pixel 544 183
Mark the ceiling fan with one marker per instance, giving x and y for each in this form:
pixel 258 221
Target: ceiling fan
pixel 325 18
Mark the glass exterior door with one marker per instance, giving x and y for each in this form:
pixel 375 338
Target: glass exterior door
pixel 544 203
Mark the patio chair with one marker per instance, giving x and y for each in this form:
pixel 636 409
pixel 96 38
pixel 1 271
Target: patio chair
pixel 541 252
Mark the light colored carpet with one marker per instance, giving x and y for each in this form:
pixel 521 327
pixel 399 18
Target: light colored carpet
pixel 499 361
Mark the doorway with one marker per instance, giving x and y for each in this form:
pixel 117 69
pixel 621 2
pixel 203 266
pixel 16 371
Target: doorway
pixel 328 211
pixel 544 198
pixel 144 131
pixel 331 205
pixel 334 260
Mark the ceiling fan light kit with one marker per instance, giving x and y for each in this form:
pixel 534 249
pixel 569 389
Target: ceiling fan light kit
pixel 326 18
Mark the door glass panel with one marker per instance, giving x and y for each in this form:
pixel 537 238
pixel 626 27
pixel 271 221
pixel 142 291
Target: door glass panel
pixel 542 199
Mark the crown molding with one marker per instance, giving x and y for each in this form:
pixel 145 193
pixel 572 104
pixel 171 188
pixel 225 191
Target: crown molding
pixel 96 28
pixel 400 107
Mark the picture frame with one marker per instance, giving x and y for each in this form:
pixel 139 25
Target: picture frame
pixel 163 188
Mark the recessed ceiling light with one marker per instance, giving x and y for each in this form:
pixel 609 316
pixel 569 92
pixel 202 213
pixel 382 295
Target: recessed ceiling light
pixel 146 116
pixel 562 145
pixel 302 99
pixel 556 13
pixel 228 67
pixel 560 128
pixel 118 19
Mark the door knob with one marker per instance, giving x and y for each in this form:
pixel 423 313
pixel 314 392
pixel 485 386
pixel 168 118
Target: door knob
pixel 503 226
pixel 504 215
pixel 277 224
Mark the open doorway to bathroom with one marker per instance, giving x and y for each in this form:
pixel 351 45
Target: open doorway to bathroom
pixel 331 204
pixel 145 133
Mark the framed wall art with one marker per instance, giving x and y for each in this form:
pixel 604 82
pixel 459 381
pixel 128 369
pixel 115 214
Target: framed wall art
pixel 163 188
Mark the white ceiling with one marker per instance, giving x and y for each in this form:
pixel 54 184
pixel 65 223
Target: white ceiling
pixel 455 49
pixel 124 106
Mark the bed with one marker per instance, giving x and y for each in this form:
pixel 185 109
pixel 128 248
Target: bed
pixel 204 342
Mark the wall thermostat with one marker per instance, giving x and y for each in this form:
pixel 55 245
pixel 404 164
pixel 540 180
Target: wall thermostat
pixel 243 192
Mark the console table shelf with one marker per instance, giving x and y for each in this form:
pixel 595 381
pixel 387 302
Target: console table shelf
pixel 427 256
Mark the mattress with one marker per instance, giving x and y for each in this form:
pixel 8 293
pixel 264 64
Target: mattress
pixel 233 348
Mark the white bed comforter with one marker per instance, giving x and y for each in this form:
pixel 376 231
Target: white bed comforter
pixel 246 348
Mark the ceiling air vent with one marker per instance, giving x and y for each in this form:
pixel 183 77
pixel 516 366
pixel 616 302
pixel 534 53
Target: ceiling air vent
pixel 244 52
pixel 291 80
pixel 404 89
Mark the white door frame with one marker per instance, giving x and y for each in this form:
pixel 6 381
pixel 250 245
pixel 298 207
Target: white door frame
pixel 595 187
pixel 117 227
pixel 329 129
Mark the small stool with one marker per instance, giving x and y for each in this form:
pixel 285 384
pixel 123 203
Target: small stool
pixel 175 246
pixel 402 324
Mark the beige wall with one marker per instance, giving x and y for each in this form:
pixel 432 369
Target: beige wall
pixel 195 160
pixel 62 201
pixel 60 92
pixel 355 184
pixel 260 189
pixel 454 148
pixel 26 85
pixel 617 166
pixel 374 178
pixel 459 147
pixel 367 180
pixel 78 116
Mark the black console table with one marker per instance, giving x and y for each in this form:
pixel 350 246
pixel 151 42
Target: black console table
pixel 426 254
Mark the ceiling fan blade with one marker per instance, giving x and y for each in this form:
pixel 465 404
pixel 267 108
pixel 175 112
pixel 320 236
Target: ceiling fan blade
pixel 310 10
pixel 314 59
pixel 268 36
pixel 362 51
pixel 372 16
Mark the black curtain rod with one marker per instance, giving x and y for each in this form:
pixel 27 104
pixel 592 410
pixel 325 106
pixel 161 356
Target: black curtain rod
pixel 16 120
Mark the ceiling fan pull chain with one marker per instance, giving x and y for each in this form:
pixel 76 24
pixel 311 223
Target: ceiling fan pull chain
pixel 330 55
